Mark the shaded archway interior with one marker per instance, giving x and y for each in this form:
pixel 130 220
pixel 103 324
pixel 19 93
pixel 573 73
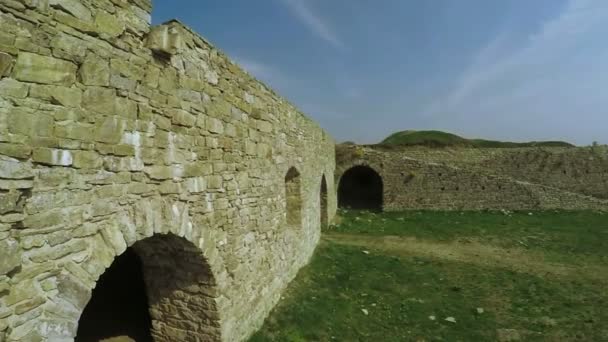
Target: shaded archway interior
pixel 161 289
pixel 119 304
pixel 360 187
pixel 323 203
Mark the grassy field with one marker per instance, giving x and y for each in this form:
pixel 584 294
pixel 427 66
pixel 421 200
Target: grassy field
pixel 445 139
pixel 451 276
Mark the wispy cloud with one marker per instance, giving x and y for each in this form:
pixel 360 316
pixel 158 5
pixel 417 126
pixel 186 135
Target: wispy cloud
pixel 553 74
pixel 301 9
pixel 266 73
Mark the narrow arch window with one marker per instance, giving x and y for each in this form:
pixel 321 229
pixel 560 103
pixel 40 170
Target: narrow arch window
pixel 293 198
pixel 323 203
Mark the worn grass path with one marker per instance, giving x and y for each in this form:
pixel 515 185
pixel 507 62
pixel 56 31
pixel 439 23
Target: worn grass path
pixel 451 276
pixel 471 252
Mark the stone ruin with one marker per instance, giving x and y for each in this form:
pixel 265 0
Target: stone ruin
pixel 377 178
pixel 151 188
pixel 138 159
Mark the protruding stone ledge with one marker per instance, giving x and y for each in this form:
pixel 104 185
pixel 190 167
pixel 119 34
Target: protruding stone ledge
pixel 165 40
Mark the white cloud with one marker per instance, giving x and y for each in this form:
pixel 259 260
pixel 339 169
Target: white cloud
pixel 262 71
pixel 302 10
pixel 558 73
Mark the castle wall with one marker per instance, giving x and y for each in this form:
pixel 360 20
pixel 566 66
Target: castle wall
pixel 111 133
pixel 444 179
pixel 581 169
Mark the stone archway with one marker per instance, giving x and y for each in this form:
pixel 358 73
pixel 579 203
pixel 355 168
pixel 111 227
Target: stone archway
pixel 323 203
pixel 119 304
pixel 179 303
pixel 361 187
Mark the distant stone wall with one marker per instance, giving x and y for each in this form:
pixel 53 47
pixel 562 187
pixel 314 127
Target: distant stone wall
pixel 113 134
pixel 443 179
pixel 582 169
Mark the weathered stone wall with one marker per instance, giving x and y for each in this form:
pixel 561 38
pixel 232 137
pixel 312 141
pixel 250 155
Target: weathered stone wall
pixel 421 178
pixel 580 169
pixel 112 133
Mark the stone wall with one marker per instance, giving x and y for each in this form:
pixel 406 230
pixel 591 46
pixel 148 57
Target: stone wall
pixel 444 179
pixel 113 133
pixel 580 169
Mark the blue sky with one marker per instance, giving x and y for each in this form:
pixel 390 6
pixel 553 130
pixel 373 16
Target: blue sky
pixel 510 69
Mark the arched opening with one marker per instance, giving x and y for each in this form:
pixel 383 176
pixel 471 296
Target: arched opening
pixel 360 188
pixel 293 198
pixel 119 304
pixel 323 203
pixel 160 289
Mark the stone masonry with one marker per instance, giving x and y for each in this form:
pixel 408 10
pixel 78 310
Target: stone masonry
pixel 476 179
pixel 115 134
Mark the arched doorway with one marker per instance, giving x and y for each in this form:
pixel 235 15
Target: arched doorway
pixel 119 304
pixel 323 203
pixel 160 289
pixel 360 188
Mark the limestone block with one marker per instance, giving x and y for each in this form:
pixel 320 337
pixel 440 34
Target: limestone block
pixel 74 130
pixel 12 169
pixel 214 182
pixel 68 47
pixel 109 24
pixel 100 100
pixel 182 118
pixel 137 20
pixel 51 156
pixel 9 202
pixel 170 187
pixel 15 150
pixel 264 126
pixel 10 256
pixel 72 290
pixel 196 184
pixel 215 126
pixel 20 122
pixel 6 63
pixel 165 40
pixel 126 107
pixel 198 169
pixel 40 5
pixel 15 184
pixel 127 69
pixel 74 7
pixel 114 238
pixel 110 130
pixel 29 305
pixel 64 96
pixel 123 150
pixel 87 160
pixel 13 88
pixel 160 172
pixel 152 76
pixel 78 24
pixel 42 69
pixel 95 71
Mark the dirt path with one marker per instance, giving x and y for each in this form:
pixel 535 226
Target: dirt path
pixel 515 259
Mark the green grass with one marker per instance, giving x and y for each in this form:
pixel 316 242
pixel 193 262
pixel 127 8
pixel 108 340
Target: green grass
pixel 400 292
pixel 444 139
pixel 569 234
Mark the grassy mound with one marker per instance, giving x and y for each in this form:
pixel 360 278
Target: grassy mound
pixel 444 139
